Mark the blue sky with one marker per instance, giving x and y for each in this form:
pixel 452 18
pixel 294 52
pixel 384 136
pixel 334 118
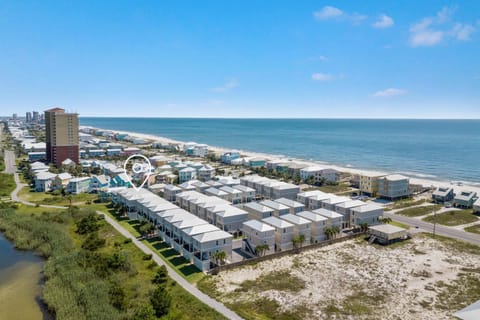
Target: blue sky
pixel 368 59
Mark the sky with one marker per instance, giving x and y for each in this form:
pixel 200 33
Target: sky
pixel 248 59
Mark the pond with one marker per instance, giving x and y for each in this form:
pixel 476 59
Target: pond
pixel 20 284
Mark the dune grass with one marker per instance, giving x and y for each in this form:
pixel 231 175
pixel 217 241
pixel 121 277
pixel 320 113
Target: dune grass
pixel 453 217
pixel 419 211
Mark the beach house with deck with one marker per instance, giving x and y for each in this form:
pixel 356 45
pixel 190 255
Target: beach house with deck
pixel 443 194
pixel 206 244
pixel 394 187
pixel 465 199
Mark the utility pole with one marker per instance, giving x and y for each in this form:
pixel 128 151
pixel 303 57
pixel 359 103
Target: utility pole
pixel 434 221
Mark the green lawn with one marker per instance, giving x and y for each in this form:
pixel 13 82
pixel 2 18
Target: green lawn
pixel 453 218
pixel 399 224
pixel 168 254
pixel 419 211
pixel 27 194
pixel 473 229
pixel 405 203
pixel 7 184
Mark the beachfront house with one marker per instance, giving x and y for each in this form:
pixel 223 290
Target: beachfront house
pixel 292 204
pixel 258 211
pixel 319 174
pixel 256 162
pixel 465 199
pixel 369 213
pixel 206 244
pixel 476 206
pixel 248 194
pixel 189 233
pixel 229 156
pixel 386 233
pixel 318 224
pixel 278 208
pixel 186 174
pixel 301 226
pixel 394 187
pixel 283 233
pixel 443 194
pixel 257 233
pixel 43 181
pixel 78 185
pixel 368 183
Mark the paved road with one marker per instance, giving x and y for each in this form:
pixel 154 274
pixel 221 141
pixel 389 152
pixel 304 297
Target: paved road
pixel 440 230
pixel 10 167
pixel 174 275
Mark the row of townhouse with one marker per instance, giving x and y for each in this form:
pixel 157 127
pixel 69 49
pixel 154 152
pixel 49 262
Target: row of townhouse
pixel 463 199
pixel 279 232
pixel 270 188
pixel 354 212
pixel 223 188
pixel 193 237
pixel 215 210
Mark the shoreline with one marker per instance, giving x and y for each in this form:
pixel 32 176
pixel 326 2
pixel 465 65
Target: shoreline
pixel 426 181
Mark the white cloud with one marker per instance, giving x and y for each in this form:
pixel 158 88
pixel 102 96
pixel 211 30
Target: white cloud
pixel 322 58
pixel 229 85
pixel 322 77
pixel 333 13
pixel 390 92
pixel 383 21
pixel 325 77
pixel 328 12
pixel 431 31
pixel 462 32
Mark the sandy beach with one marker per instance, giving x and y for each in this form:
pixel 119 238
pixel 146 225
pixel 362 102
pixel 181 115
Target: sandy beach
pixel 427 182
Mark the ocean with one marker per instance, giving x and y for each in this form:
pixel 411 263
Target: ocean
pixel 433 149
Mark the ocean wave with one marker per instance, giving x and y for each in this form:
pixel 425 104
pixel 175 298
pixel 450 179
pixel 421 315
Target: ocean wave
pixel 419 175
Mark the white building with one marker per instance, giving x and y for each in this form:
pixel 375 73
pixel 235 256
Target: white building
pixel 393 187
pixel 278 208
pixel 369 213
pixel 345 209
pixel 216 192
pixel 317 226
pixel 233 195
pixel 301 226
pixel 206 173
pixel 257 233
pixel 170 192
pixel 248 194
pixel 334 219
pixel 78 185
pixel 292 204
pixel 283 233
pixel 320 174
pixel 258 211
pixel 206 244
pixel 189 233
pixel 476 206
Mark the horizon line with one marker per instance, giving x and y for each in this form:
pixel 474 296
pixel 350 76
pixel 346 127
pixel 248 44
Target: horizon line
pixel 272 118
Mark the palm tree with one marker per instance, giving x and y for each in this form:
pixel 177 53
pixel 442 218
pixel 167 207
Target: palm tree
pixel 385 220
pixel 336 230
pixel 329 232
pixel 261 249
pixel 363 226
pixel 220 257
